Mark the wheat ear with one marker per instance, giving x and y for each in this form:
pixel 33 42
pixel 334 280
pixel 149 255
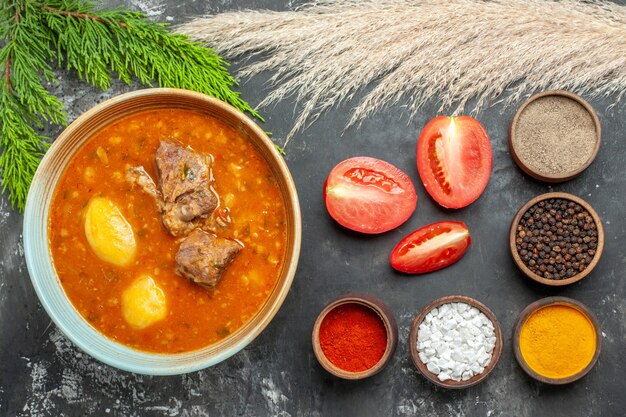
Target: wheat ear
pixel 409 52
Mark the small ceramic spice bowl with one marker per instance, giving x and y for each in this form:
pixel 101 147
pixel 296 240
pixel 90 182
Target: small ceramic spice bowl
pixel 557 340
pixel 554 136
pixel 415 352
pixel 355 336
pixel 539 254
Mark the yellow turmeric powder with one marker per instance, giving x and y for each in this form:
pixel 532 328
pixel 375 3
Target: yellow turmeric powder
pixel 557 341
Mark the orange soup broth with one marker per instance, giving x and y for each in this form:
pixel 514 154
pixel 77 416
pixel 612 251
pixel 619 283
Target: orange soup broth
pixel 196 317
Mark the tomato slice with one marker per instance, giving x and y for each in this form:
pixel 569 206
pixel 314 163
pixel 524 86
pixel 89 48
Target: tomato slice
pixel 369 195
pixel 431 247
pixel 454 160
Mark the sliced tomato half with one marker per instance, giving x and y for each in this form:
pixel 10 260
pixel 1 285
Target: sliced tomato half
pixel 431 247
pixel 369 195
pixel 454 160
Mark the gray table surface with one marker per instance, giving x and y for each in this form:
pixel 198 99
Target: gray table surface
pixel 43 374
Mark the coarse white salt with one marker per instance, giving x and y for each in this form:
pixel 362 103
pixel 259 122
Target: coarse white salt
pixel 456 341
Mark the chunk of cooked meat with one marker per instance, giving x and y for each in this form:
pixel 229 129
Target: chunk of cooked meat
pixel 177 217
pixel 139 176
pixel 182 215
pixel 181 170
pixel 184 196
pixel 203 257
pixel 185 180
pixel 185 183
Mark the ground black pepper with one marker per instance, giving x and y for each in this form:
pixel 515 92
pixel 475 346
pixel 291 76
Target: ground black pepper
pixel 555 135
pixel 556 238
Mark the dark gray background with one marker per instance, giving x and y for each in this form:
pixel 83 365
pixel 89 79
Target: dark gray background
pixel 42 374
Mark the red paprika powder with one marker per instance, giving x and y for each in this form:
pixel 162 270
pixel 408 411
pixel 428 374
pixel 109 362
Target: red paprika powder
pixel 353 337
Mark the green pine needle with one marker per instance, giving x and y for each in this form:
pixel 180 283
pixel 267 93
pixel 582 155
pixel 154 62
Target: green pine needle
pixel 96 44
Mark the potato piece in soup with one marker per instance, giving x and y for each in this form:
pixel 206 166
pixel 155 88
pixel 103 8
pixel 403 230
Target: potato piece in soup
pixel 143 303
pixel 108 232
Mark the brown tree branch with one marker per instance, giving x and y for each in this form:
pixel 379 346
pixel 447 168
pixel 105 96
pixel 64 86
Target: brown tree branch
pixel 78 15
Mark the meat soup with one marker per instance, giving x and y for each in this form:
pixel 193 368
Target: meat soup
pixel 168 231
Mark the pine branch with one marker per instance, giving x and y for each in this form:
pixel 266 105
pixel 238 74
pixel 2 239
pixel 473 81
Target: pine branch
pixel 22 148
pixel 24 102
pixel 29 54
pixel 96 44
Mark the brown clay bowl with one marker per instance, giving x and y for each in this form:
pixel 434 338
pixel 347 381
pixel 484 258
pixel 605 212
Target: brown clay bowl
pixel 546 177
pixel 556 282
pixel 385 315
pixel 552 301
pixel 421 367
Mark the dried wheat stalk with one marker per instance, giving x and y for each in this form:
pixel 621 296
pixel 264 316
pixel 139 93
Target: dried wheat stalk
pixel 413 51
